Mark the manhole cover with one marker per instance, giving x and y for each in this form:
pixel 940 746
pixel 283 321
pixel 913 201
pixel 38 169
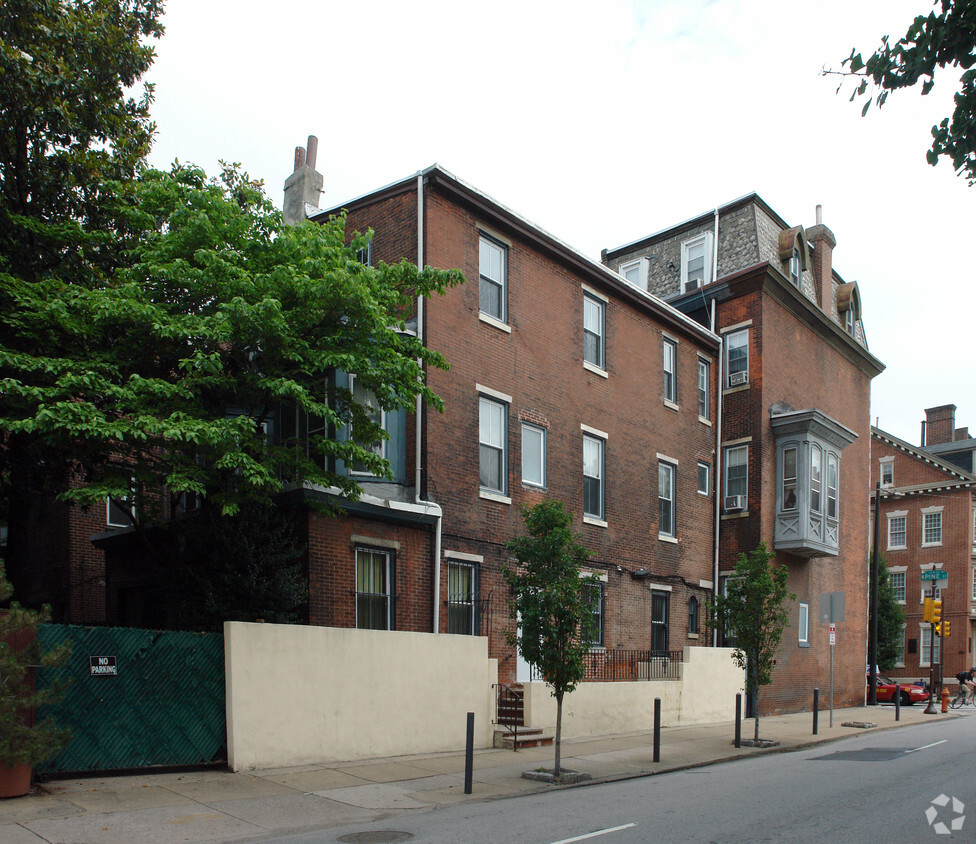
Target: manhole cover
pixel 378 836
pixel 868 754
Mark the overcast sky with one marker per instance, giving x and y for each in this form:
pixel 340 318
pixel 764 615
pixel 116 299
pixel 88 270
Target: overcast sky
pixel 602 123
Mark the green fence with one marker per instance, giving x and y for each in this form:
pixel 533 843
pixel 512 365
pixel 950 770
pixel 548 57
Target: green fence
pixel 137 698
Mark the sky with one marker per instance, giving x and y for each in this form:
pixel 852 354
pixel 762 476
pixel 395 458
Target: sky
pixel 605 122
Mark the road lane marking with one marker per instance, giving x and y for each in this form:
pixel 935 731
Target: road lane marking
pixel 927 746
pixel 596 834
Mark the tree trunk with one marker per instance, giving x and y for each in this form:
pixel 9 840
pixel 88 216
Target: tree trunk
pixel 559 732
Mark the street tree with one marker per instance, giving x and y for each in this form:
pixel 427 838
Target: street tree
pixel 752 612
pixel 550 602
pixel 891 621
pixel 945 38
pixel 204 363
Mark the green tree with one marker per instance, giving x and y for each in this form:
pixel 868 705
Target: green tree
pixel 945 38
pixel 553 609
pixel 204 364
pixel 891 621
pixel 753 607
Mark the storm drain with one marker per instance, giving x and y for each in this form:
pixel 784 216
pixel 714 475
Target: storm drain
pixel 867 754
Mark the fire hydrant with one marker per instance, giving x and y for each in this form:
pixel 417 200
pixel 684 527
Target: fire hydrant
pixel 945 699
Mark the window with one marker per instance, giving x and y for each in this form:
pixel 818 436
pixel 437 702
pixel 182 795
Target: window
pixel 461 591
pixel 670 352
pixel 693 624
pixel 659 621
pixel 931 527
pixel 789 478
pixel 696 262
pixel 493 262
pixel 832 471
pixel 121 511
pixel 803 625
pixel 816 458
pixel 737 475
pixel 897 585
pixel 900 655
pixel 493 445
pixel 374 576
pixel 665 499
pixel 533 455
pixel 974 583
pixel 897 530
pixel 887 472
pixel 594 312
pixel 703 385
pixel 737 358
pixel 594 593
pixel 366 399
pixel 593 466
pixel 795 266
pixel 929 646
pixel 365 253
pixel 635 272
pixel 704 478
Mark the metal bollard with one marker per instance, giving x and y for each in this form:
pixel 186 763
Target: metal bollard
pixel 816 709
pixel 897 701
pixel 657 729
pixel 738 720
pixel 469 754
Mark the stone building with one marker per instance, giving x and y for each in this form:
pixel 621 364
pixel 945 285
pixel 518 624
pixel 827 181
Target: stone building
pixel 795 379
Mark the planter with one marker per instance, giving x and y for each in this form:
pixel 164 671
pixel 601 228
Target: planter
pixel 14 781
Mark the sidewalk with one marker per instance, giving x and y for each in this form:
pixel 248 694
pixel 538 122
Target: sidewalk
pixel 216 806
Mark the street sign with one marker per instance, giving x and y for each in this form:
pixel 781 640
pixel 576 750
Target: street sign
pixel 935 574
pixel 833 639
pixel 833 629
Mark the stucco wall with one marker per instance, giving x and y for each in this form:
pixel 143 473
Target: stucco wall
pixel 300 695
pixel 705 694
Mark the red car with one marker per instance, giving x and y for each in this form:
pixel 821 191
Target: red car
pixel 909 694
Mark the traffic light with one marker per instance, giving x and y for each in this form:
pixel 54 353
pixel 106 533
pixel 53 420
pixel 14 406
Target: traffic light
pixel 938 629
pixel 937 611
pixel 945 629
pixel 927 609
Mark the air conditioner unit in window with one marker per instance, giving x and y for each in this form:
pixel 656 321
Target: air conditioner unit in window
pixel 693 283
pixel 737 378
pixel 735 502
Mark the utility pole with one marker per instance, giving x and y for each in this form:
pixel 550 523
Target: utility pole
pixel 873 637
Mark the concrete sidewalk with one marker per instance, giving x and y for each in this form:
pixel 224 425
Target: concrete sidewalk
pixel 221 806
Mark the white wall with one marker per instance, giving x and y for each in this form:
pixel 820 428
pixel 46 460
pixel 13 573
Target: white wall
pixel 705 694
pixel 300 695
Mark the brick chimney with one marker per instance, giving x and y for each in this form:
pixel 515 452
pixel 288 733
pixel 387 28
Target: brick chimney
pixel 304 186
pixel 823 241
pixel 940 424
pixel 960 434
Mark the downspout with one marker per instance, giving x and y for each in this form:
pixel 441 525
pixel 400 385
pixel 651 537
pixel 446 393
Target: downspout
pixel 420 417
pixel 714 262
pixel 717 482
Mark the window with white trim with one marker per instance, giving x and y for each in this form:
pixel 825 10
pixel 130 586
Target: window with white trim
pixel 593 471
pixel 374 579
pixel 367 400
pixel 462 590
pixel 635 272
pixel 900 656
pixel 533 455
pixel 670 355
pixel 974 583
pixel 704 478
pixel 789 478
pixel 737 473
pixel 833 468
pixel 737 358
pixel 493 268
pixel 120 511
pixel 665 499
pixel 696 262
pixel 931 527
pixel 803 625
pixel 493 445
pixel 925 641
pixel 816 459
pixel 795 266
pixel 887 465
pixel 897 530
pixel 595 593
pixel 594 317
pixel 694 625
pixel 703 388
pixel 897 585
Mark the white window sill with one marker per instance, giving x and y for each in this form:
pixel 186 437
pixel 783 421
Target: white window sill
pixel 596 370
pixel 671 404
pixel 494 496
pixel 692 635
pixel 931 544
pixel 664 537
pixel 897 548
pixel 593 520
pixel 495 323
pixel 705 421
pixel 743 515
pixel 702 492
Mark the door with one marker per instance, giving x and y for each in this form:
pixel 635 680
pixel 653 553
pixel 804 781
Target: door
pixel 659 621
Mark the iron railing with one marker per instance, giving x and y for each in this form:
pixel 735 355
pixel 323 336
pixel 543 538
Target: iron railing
pixel 509 710
pixel 619 665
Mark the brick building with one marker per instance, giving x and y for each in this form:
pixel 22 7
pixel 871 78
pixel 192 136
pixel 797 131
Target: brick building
pixel 795 382
pixel 927 522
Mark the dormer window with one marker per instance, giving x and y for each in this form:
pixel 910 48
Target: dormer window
pixel 795 268
pixel 696 262
pixel 808 450
pixel 849 307
pixel 793 250
pixel 635 272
